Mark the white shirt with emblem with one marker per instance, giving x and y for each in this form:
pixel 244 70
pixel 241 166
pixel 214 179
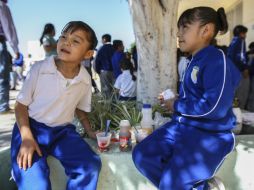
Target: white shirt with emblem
pixel 51 98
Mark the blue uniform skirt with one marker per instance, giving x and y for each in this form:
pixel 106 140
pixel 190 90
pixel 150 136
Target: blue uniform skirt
pixel 82 165
pixel 180 157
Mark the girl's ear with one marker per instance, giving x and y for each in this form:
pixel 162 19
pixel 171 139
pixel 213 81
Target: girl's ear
pixel 207 31
pixel 89 54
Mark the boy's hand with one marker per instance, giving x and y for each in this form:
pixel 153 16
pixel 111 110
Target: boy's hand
pixel 26 151
pixel 92 134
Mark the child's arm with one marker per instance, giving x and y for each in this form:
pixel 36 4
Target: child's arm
pixel 28 145
pixel 82 116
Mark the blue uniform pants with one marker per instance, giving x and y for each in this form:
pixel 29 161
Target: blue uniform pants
pixel 82 165
pixel 178 157
pixel 4 77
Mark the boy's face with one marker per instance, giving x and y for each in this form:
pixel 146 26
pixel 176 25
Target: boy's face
pixel 74 47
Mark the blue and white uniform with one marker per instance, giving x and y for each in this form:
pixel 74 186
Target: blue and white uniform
pixel 237 53
pixel 187 151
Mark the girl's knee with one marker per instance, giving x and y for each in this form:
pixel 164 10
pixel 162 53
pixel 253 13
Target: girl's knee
pixel 97 164
pixel 137 155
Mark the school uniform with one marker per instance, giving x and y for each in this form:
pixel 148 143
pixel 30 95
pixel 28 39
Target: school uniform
pixel 103 66
pixel 116 58
pixel 187 151
pixel 237 53
pixel 127 87
pixel 51 101
pixel 250 102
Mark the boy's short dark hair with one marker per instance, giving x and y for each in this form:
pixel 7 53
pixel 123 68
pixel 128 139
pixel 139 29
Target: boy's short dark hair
pixel 79 25
pixel 106 37
pixel 239 29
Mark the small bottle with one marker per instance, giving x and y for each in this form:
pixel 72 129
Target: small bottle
pixel 147 121
pixel 125 136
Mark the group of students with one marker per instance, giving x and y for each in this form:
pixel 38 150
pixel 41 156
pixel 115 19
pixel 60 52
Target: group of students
pixel 245 63
pixel 114 66
pixel 181 155
pixel 116 69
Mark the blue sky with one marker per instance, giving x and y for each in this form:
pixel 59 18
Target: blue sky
pixel 104 16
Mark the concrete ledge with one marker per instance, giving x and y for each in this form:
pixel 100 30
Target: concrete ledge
pixel 119 173
pixel 238 169
pixel 5 171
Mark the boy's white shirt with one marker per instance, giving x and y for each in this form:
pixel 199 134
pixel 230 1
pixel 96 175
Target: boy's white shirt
pixel 50 98
pixel 127 87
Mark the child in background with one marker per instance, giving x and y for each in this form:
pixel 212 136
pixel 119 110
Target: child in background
pixel 237 53
pixel 54 90
pixel 48 41
pixel 117 57
pixel 186 152
pixel 126 84
pixel 250 53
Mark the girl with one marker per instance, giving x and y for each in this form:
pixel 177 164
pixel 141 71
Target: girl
pixel 54 90
pixel 126 82
pixel 187 151
pixel 48 41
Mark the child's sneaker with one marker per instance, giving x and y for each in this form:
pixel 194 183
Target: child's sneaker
pixel 215 183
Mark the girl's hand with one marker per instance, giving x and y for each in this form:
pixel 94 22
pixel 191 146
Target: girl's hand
pixel 26 151
pixel 160 99
pixel 169 104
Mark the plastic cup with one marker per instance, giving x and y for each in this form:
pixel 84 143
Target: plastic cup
pixel 103 141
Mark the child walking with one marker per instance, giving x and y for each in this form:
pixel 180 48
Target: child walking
pixel 54 90
pixel 186 152
pixel 126 84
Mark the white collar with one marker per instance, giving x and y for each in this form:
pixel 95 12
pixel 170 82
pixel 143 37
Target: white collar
pixel 49 67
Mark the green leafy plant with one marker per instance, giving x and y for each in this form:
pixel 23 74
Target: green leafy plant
pixel 126 111
pixel 110 109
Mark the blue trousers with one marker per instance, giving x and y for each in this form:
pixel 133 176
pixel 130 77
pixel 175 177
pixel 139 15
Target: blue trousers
pixel 5 66
pixel 178 157
pixel 82 165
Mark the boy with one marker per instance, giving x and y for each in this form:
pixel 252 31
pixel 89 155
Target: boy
pixel 53 91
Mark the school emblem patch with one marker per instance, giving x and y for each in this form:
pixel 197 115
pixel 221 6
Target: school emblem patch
pixel 194 74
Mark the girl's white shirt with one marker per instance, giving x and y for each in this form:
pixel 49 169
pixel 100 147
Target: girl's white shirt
pixel 127 87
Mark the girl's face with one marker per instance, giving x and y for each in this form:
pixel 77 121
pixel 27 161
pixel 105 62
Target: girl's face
pixel 74 47
pixel 192 37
